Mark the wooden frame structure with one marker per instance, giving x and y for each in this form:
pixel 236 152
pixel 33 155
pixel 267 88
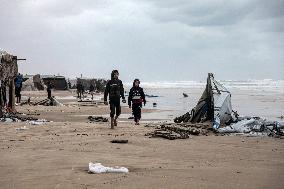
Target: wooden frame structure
pixel 8 73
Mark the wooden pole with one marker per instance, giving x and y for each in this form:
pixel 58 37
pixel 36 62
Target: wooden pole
pixel 1 100
pixel 11 104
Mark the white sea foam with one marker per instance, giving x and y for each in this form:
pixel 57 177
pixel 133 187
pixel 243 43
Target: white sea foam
pixel 242 84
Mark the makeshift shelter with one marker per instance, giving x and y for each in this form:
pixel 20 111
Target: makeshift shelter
pixel 99 84
pixel 214 105
pixel 58 82
pixel 8 72
pixel 33 83
pixel 86 82
pixel 38 82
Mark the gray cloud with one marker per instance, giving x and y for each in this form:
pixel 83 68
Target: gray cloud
pixel 152 40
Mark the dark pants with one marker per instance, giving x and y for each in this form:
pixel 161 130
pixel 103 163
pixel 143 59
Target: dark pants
pixel 17 91
pixel 136 110
pixel 49 94
pixel 80 94
pixel 18 94
pixel 115 108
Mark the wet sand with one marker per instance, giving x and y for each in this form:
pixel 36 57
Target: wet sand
pixel 56 154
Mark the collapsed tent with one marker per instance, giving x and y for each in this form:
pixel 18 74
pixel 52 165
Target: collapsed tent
pixel 58 82
pixel 214 105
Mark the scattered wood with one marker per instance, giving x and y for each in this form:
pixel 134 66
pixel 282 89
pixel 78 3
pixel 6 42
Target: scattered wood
pixel 174 131
pixel 97 119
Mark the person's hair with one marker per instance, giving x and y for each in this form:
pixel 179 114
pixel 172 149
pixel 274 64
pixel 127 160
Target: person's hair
pixel 135 81
pixel 114 72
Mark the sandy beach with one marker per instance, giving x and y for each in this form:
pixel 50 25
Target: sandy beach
pixel 207 77
pixel 56 154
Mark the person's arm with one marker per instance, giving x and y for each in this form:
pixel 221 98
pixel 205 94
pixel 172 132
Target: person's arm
pixel 130 97
pixel 122 91
pixel 143 96
pixel 106 92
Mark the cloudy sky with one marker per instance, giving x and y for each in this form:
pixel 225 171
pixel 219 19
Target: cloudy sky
pixel 154 40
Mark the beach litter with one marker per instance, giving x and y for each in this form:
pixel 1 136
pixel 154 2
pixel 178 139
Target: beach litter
pixel 119 141
pixel 97 119
pixel 22 128
pixel 16 117
pixel 98 168
pixel 38 122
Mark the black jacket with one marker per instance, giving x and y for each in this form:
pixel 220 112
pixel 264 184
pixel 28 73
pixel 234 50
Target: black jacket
pixel 115 90
pixel 136 95
pixel 49 86
pixel 92 88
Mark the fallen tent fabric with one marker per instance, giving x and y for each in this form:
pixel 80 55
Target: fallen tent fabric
pixel 99 168
pixel 214 105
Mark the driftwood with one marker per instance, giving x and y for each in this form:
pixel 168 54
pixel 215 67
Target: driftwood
pixel 174 131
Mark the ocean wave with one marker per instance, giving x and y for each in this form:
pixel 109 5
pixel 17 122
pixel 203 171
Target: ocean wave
pixel 265 83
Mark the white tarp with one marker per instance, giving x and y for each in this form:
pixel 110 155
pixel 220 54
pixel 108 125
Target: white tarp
pixel 243 126
pixel 222 103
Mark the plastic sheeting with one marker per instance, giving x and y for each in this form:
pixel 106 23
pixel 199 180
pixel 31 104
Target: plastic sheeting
pixel 243 126
pixel 222 103
pixel 255 126
pixel 99 168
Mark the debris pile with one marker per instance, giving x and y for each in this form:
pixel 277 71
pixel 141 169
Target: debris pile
pixel 255 126
pixel 48 102
pixel 174 131
pixel 16 117
pixel 97 119
pixel 214 105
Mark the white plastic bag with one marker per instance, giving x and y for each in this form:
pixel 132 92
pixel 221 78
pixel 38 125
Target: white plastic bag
pixel 99 168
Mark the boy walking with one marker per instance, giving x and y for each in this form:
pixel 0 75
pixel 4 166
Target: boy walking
pixel 114 88
pixel 136 97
